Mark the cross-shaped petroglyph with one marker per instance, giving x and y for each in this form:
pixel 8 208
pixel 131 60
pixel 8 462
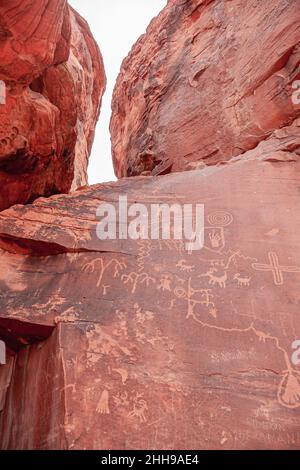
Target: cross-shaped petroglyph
pixel 275 268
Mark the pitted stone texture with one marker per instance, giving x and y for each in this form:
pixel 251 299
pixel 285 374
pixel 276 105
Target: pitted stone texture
pixel 54 80
pixel 208 81
pixel 141 345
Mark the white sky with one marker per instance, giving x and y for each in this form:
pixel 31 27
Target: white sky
pixel 116 26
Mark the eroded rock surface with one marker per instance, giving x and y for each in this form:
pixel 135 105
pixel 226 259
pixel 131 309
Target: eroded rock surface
pixel 139 344
pixel 54 79
pixel 123 344
pixel 209 80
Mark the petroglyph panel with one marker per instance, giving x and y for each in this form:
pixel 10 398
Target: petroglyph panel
pixel 189 350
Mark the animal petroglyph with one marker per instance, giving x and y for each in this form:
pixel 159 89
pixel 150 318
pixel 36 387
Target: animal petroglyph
pixel 184 267
pixel 288 393
pixel 242 281
pixel 214 279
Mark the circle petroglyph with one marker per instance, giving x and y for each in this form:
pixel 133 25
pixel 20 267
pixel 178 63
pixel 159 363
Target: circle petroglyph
pixel 180 293
pixel 220 219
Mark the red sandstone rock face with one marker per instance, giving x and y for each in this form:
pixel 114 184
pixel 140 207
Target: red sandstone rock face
pixel 54 79
pixel 141 345
pixel 209 80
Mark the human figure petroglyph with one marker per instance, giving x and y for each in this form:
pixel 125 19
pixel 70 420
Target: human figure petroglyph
pixel 216 239
pixel 218 274
pixel 165 283
pixel 137 278
pixel 104 266
pixel 242 281
pixel 206 297
pixel 215 231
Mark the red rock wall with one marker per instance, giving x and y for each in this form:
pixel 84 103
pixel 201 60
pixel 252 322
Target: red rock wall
pixel 209 80
pixel 145 346
pixel 54 77
pixel 139 344
pixel 35 411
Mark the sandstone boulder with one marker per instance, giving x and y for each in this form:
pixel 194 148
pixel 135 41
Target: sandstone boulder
pixel 209 80
pixel 52 78
pixel 141 345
